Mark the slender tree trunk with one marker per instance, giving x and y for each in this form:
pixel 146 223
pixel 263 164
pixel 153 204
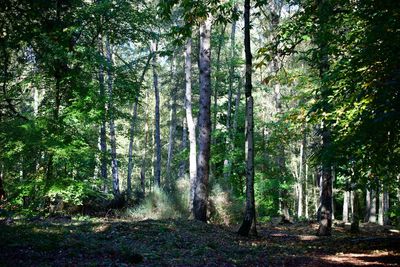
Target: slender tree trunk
pixel 113 139
pixel 367 205
pixel 218 77
pixel 346 200
pixel 307 214
pixel 146 134
pixel 355 219
pixel 204 123
pixel 172 123
pixel 2 192
pixel 325 224
pixel 230 134
pixel 182 165
pixel 383 205
pixel 157 135
pixel 103 134
pixel 132 130
pixel 191 126
pixel 301 180
pixel 372 211
pixel 249 220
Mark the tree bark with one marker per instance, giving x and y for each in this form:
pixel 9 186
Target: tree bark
pixel 132 130
pixel 204 123
pixel 103 132
pixel 249 220
pixel 325 224
pixel 372 211
pixel 383 205
pixel 191 126
pixel 346 200
pixel 157 135
pixel 354 218
pixel 113 139
pixel 146 133
pixel 172 123
pixel 182 165
pixel 2 192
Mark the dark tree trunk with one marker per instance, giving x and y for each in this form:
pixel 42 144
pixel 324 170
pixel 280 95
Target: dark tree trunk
pixel 325 224
pixel 249 220
pixel 103 134
pixel 355 221
pixel 157 135
pixel 204 124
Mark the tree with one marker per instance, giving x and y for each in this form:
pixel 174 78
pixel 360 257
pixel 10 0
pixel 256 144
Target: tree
pixel 204 123
pixel 191 127
pixel 110 109
pixel 157 135
pixel 250 213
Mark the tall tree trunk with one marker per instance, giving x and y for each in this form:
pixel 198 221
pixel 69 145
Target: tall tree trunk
pixel 204 123
pixel 218 77
pixel 383 205
pixel 372 211
pixel 306 210
pixel 346 200
pixel 157 135
pixel 182 165
pixel 301 179
pixel 230 136
pixel 146 134
pixel 249 220
pixel 2 192
pixel 367 205
pixel 325 224
pixel 103 134
pixel 172 119
pixel 113 139
pixel 354 218
pixel 132 130
pixel 191 126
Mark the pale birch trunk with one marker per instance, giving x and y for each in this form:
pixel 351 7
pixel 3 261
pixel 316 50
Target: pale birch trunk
pixel 346 200
pixel 191 126
pixel 172 119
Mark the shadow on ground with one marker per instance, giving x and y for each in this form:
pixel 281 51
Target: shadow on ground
pixel 116 242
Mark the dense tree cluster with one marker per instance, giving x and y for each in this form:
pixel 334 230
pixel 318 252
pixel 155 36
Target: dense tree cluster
pixel 289 107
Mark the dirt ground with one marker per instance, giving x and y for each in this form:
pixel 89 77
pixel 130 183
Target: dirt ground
pixel 118 242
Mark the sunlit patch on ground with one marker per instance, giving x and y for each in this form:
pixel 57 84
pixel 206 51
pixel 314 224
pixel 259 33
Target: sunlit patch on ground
pixel 363 259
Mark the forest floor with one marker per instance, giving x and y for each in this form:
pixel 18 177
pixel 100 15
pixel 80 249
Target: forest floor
pixel 62 241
